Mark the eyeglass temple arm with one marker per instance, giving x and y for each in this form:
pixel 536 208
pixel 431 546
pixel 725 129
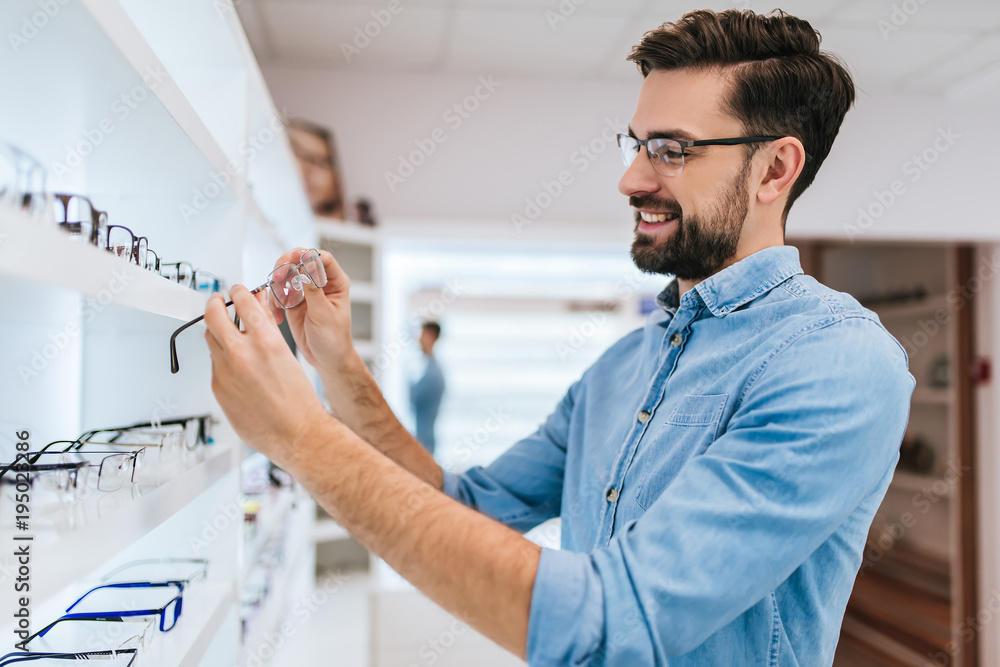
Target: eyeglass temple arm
pixel 132 584
pixel 174 364
pixel 154 561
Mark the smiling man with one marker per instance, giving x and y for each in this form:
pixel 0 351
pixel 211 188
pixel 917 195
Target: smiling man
pixel 716 471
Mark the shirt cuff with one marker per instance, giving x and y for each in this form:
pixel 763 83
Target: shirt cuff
pixel 450 486
pixel 565 624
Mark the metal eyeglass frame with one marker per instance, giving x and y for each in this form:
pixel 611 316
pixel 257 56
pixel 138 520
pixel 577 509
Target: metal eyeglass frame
pixel 110 654
pixel 175 364
pixel 200 575
pixel 640 143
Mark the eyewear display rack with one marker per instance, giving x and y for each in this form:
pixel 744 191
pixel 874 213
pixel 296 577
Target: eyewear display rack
pixel 917 583
pixel 159 114
pixel 358 250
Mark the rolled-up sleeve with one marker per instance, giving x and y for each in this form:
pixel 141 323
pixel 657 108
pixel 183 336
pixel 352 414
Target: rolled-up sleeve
pixel 816 433
pixel 523 486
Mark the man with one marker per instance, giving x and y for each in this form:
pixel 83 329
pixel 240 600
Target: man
pixel 716 471
pixel 427 390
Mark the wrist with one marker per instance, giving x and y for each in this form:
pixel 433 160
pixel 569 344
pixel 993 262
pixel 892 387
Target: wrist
pixel 315 429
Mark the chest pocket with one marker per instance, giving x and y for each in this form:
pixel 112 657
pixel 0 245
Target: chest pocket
pixel 688 431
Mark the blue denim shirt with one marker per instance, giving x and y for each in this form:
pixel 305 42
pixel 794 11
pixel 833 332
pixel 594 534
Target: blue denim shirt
pixel 716 472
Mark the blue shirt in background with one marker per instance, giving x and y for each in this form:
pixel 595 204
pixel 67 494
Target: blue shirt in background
pixel 425 400
pixel 716 472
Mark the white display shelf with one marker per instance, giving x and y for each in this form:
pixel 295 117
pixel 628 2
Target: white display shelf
pixel 364 292
pixel 365 348
pixel 106 523
pixel 328 530
pixel 349 232
pixel 205 608
pixel 271 517
pixel 914 483
pixel 924 308
pixel 933 396
pixel 257 214
pixel 76 265
pixel 270 615
pixel 134 45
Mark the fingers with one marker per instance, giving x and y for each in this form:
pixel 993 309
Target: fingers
pixel 336 280
pixel 220 327
pixel 252 313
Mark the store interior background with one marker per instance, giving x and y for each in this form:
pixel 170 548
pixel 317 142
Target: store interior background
pixel 508 229
pixel 475 210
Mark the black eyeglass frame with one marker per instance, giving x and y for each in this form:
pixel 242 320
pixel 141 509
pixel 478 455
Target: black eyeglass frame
pixel 729 141
pixel 175 364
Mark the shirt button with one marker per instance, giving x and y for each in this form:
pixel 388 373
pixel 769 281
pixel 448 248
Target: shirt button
pixel 612 495
pixel 676 339
pixel 644 416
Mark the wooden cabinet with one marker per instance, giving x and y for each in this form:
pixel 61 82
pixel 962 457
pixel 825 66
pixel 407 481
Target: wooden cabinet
pixel 914 601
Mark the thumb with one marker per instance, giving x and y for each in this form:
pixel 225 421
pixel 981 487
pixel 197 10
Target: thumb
pixel 319 306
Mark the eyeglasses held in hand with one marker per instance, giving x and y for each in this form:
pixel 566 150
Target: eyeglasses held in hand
pixel 667 155
pixel 286 288
pixel 111 654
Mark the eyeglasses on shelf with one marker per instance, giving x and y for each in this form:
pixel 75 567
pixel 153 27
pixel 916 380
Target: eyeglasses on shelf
pixel 68 478
pixel 286 289
pixel 198 568
pixel 99 633
pixel 20 176
pixel 166 614
pixel 126 656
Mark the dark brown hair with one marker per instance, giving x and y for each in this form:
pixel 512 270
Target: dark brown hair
pixel 782 84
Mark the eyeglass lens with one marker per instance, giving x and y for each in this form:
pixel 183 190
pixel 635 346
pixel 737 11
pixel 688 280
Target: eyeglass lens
pixel 667 155
pixel 286 281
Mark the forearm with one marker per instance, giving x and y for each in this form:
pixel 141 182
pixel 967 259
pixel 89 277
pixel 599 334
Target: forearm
pixel 358 402
pixel 474 567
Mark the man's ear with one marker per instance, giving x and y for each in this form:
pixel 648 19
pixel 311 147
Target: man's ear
pixel 786 158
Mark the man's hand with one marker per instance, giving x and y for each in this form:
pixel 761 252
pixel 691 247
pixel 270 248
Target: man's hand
pixel 467 563
pixel 321 325
pixel 257 380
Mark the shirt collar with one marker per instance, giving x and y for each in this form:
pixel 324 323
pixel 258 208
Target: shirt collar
pixel 740 283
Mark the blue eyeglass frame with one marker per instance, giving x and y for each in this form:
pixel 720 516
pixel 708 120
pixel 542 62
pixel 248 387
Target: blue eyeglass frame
pixel 124 616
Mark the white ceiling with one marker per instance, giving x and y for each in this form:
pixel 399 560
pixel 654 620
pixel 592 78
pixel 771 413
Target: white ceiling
pixel 939 47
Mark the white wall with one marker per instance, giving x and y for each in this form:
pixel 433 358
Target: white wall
pixel 528 130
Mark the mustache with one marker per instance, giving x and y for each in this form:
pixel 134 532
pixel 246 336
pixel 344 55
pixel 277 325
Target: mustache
pixel 652 203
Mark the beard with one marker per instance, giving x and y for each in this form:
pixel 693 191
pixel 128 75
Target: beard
pixel 698 246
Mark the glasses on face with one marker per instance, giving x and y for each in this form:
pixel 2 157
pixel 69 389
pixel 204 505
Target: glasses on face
pixel 285 286
pixel 124 656
pixel 20 176
pixel 667 155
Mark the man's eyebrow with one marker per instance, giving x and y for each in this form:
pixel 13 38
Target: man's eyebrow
pixel 682 135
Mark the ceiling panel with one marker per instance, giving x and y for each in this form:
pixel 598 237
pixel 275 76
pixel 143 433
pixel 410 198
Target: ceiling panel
pixel 318 32
pixel 940 45
pixel 904 14
pixel 528 43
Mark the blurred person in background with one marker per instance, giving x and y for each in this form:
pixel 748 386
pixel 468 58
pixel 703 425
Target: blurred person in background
pixel 427 388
